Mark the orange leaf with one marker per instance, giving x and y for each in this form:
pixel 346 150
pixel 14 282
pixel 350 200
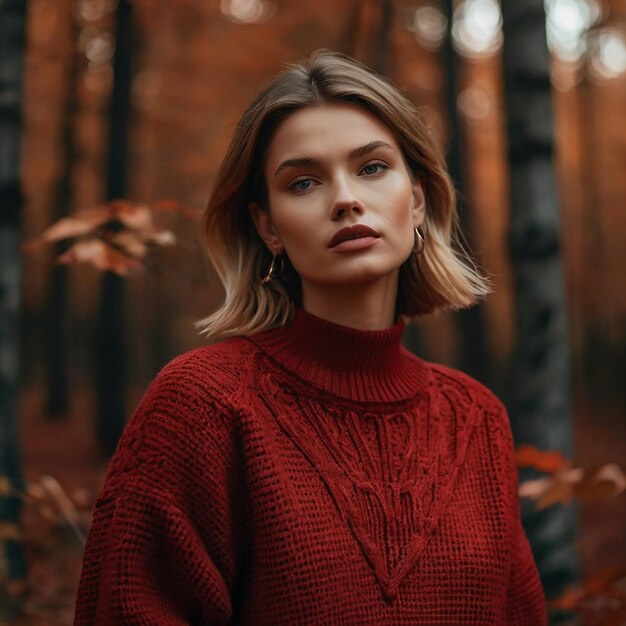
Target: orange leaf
pixel 100 255
pixel 544 461
pixel 534 489
pixel 160 238
pixel 607 482
pixel 553 489
pixel 130 242
pixel 568 600
pixel 66 228
pixel 135 216
pixel 612 474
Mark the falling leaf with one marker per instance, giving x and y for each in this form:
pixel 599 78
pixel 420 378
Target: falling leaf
pixel 568 600
pixel 101 256
pixel 549 490
pixel 135 216
pixel 612 474
pixel 161 238
pixel 66 228
pixel 130 242
pixel 544 461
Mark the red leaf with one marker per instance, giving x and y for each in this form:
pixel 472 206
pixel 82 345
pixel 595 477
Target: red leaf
pixel 544 461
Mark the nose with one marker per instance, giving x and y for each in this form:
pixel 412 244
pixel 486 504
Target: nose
pixel 345 201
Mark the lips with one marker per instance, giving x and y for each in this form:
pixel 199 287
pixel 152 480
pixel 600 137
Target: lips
pixel 352 232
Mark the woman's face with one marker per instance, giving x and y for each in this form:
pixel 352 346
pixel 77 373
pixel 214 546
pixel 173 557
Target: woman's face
pixel 342 203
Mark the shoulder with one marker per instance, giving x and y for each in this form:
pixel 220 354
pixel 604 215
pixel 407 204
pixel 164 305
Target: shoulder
pixel 188 414
pixel 472 397
pixel 210 373
pixel 471 390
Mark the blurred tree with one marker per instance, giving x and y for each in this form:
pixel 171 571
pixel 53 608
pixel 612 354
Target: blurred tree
pixel 368 32
pixel 57 306
pixel 111 343
pixel 12 19
pixel 474 354
pixel 541 407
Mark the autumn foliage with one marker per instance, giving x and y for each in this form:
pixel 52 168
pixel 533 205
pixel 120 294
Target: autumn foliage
pixel 603 594
pixel 116 236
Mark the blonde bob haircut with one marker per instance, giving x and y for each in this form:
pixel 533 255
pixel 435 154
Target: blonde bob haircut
pixel 441 276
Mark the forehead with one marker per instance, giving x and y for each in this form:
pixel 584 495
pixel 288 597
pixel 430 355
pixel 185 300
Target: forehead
pixel 327 129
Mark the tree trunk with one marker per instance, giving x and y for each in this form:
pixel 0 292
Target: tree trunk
pixel 111 343
pixel 57 326
pixel 541 406
pixel 12 563
pixel 473 351
pixel 367 34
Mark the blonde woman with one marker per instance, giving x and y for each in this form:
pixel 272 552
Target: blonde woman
pixel 307 469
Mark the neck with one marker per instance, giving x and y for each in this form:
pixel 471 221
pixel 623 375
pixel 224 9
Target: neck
pixel 365 306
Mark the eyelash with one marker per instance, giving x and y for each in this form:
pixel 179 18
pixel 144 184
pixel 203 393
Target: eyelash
pixel 383 167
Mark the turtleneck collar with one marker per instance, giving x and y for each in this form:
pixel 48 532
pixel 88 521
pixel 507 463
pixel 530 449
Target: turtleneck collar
pixel 361 365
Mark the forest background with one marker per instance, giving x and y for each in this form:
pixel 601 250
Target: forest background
pixel 118 114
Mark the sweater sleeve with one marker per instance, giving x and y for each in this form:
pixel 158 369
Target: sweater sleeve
pixel 160 549
pixel 526 605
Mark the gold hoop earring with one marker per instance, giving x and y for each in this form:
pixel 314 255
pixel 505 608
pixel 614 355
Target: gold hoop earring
pixel 270 273
pixel 419 241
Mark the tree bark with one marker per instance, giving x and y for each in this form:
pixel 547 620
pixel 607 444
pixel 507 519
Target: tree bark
pixel 473 352
pixel 57 326
pixel 540 389
pixel 12 20
pixel 111 343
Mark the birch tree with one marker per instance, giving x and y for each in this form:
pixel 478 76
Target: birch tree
pixel 541 406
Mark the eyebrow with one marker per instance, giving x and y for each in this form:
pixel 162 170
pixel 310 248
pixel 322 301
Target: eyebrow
pixel 313 162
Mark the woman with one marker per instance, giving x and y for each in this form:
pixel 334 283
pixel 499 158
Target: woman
pixel 308 470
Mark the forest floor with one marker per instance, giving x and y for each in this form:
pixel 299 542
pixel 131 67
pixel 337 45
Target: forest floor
pixel 64 469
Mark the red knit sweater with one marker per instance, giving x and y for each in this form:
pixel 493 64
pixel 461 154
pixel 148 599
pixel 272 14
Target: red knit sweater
pixel 312 475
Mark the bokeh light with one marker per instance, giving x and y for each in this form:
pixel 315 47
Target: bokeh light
pixel 247 11
pixel 92 10
pixel 567 23
pixel 477 28
pixel 475 103
pixel 607 54
pixel 429 25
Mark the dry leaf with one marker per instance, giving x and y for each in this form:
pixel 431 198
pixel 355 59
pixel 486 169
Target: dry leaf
pixel 549 490
pixel 568 600
pixel 161 238
pixel 66 228
pixel 130 242
pixel 101 256
pixel 612 474
pixel 135 216
pixel 544 461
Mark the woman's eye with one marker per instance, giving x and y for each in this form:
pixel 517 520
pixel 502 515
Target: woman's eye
pixel 302 185
pixel 373 168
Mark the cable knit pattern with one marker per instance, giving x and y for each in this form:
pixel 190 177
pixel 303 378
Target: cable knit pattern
pixel 311 475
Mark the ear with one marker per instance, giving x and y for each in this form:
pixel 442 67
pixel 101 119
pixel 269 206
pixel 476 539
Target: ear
pixel 419 198
pixel 265 227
